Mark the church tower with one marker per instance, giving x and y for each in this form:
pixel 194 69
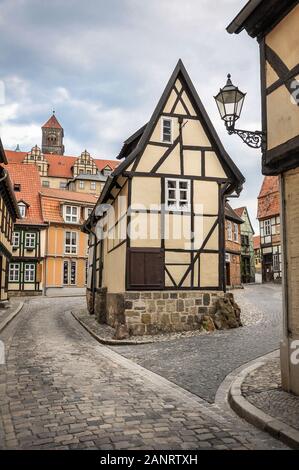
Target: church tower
pixel 52 136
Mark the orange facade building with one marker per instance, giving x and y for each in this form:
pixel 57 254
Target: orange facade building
pixel 66 246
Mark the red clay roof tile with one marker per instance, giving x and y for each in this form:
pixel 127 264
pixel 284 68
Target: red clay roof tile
pixel 269 198
pixel 60 166
pixel 27 176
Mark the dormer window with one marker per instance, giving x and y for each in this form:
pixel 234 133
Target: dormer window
pixel 71 214
pixel 167 130
pixel 107 171
pixel 22 209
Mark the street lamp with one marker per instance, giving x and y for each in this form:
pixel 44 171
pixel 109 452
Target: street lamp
pixel 230 102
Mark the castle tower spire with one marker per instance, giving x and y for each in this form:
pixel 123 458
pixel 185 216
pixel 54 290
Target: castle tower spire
pixel 52 136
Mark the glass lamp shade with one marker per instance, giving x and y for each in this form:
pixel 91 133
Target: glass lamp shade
pixel 230 102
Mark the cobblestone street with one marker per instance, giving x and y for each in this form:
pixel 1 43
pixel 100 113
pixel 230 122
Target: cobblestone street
pixel 60 389
pixel 201 363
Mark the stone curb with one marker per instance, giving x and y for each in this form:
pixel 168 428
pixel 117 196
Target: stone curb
pixel 11 316
pixel 276 428
pixel 109 342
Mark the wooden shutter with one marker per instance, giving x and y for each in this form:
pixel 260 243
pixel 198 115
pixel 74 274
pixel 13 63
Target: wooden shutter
pixel 145 269
pixel 39 270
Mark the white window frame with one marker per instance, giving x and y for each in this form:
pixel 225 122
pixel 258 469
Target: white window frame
pixel 22 209
pixel 29 268
pixel 16 236
pixel 93 185
pixel 70 248
pixel 236 233
pixel 87 209
pixel 177 199
pixel 162 130
pixel 267 228
pixel 229 231
pixel 69 264
pixel 276 262
pixel 14 272
pixel 73 216
pixel 81 184
pixel 46 184
pixel 30 240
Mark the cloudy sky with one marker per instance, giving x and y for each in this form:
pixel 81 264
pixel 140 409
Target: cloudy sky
pixel 102 65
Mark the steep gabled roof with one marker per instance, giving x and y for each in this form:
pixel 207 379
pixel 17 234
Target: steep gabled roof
pixel 52 123
pixel 269 198
pixel 181 73
pixel 231 214
pixel 240 211
pixel 256 242
pixel 30 187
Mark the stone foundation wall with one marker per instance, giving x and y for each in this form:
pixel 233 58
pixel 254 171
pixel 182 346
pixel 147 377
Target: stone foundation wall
pixel 157 312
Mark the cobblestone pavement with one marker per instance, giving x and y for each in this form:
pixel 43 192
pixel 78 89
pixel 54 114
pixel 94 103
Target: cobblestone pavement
pixel 60 389
pixel 263 389
pixel 200 363
pixel 12 307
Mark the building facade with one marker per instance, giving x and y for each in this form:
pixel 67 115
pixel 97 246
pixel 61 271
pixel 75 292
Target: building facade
pixel 38 240
pixel 275 25
pixel 233 224
pixel 66 246
pixel 149 273
pixel 25 274
pixel 8 216
pixel 82 173
pixel 257 254
pixel 247 249
pixel 269 220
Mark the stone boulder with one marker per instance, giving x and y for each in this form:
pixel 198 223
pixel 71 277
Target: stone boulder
pixel 208 323
pixel 121 332
pixel 227 313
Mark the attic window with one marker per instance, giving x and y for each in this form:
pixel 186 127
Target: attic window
pixel 17 188
pixel 22 209
pixel 167 130
pixel 107 171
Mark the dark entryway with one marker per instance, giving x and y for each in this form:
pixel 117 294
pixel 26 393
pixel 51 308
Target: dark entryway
pixel 267 263
pixel 245 270
pixel 227 274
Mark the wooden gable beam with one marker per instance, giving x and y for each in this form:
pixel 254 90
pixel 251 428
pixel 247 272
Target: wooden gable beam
pixel 286 76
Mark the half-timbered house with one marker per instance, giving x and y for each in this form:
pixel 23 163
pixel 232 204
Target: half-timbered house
pixel 28 241
pixel 268 215
pixel 274 23
pixel 163 261
pixel 247 250
pixel 8 215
